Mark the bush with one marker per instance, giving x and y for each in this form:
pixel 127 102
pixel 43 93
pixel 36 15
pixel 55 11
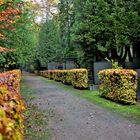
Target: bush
pixel 119 85
pixel 77 77
pixel 11 106
pixel 67 77
pixel 57 75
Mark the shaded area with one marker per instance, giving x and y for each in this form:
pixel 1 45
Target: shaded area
pixel 139 88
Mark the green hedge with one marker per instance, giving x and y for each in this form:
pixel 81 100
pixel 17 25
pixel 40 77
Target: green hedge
pixel 119 85
pixel 76 77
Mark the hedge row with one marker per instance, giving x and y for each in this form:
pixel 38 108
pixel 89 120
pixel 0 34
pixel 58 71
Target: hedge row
pixel 11 106
pixel 76 77
pixel 119 85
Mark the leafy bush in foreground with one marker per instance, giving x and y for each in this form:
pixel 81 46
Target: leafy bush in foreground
pixel 11 106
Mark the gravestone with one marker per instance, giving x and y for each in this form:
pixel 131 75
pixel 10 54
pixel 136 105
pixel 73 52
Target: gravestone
pixel 70 65
pixel 133 65
pixel 129 65
pixel 55 65
pixel 100 66
pixel 64 66
pixel 138 95
pixel 52 65
pixel 59 66
pixel 136 63
pixel 93 87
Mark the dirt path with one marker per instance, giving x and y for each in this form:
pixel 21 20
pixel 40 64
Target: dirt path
pixel 73 118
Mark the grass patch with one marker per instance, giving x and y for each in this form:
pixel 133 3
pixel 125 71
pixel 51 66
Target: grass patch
pixel 35 119
pixel 131 112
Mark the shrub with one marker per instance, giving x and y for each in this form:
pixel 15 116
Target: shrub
pixel 57 75
pixel 80 78
pixel 11 106
pixel 43 73
pixel 77 77
pixel 119 85
pixel 67 77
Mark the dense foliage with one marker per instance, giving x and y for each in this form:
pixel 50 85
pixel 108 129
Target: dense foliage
pixel 92 30
pixel 11 106
pixel 10 12
pixel 119 85
pixel 107 29
pixel 49 43
pixel 78 78
pixel 17 32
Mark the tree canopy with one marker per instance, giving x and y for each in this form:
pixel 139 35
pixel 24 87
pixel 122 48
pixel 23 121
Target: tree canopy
pixel 94 30
pixel 89 30
pixel 17 31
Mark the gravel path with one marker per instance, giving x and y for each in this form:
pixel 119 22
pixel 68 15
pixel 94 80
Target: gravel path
pixel 73 118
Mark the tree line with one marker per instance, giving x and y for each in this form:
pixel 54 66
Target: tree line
pixel 17 33
pixel 91 30
pixel 88 30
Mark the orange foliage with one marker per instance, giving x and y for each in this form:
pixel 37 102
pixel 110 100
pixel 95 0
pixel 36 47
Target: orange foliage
pixel 2 49
pixel 11 106
pixel 8 15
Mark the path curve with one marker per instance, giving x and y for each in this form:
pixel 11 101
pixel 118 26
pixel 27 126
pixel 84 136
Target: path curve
pixel 73 118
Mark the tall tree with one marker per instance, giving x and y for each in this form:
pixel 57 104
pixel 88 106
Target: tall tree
pixel 18 32
pixel 66 20
pixel 49 43
pixel 106 28
pixel 10 12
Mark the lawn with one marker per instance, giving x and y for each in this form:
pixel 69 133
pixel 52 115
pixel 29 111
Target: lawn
pixel 131 112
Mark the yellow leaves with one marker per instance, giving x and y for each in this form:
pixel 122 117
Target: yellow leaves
pixel 2 113
pixel 53 2
pixel 3 90
pixel 19 136
pixel 12 107
pixel 80 78
pixel 1 2
pixel 1 137
pixel 77 77
pixel 122 84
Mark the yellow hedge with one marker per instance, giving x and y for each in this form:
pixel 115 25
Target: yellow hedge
pixel 79 78
pixel 67 77
pixel 76 77
pixel 119 85
pixel 11 106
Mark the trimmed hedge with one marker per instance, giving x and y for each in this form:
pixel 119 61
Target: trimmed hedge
pixel 119 85
pixel 76 77
pixel 80 78
pixel 11 106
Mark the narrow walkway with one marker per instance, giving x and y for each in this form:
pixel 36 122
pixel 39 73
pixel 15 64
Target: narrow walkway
pixel 73 118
